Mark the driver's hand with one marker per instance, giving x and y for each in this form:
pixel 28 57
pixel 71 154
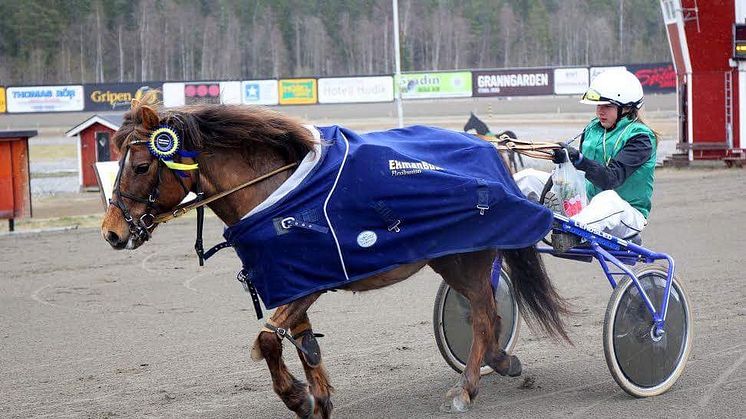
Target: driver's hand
pixel 559 155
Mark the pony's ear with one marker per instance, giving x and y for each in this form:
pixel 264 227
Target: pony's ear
pixel 148 116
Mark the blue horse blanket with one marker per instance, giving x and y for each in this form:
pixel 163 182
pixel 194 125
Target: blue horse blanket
pixel 375 201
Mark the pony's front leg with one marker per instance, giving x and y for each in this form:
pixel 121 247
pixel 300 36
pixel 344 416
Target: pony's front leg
pixel 318 380
pixel 292 392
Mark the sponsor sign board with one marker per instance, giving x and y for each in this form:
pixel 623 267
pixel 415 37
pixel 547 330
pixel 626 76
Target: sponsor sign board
pixel 203 92
pixel 173 94
pixel 259 92
pixel 297 91
pixel 570 81
pixel 595 71
pixel 45 98
pixel 356 89
pixel 2 99
pixel 522 82
pixel 115 96
pixel 435 85
pixel 655 78
pixel 230 92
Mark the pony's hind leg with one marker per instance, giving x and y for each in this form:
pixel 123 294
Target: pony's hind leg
pixel 318 380
pixel 469 273
pixel 292 392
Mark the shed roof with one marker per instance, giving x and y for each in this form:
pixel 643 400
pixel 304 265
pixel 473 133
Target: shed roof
pixel 18 134
pixel 110 121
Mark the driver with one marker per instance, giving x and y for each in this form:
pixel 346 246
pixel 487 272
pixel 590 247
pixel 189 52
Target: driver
pixel 618 155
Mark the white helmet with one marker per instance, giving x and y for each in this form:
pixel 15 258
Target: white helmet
pixel 615 86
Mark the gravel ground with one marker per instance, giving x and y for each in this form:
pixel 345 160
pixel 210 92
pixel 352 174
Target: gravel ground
pixel 86 331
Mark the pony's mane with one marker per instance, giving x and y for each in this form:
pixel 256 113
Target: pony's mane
pixel 220 128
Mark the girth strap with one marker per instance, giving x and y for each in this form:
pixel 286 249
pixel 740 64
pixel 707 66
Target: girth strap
pixel 214 249
pixel 198 245
pixel 243 278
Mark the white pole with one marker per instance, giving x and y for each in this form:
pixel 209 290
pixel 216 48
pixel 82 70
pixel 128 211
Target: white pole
pixel 397 60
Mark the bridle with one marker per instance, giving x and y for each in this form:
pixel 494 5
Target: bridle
pixel 143 226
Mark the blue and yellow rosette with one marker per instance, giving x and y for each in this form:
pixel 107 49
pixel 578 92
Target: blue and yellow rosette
pixel 164 144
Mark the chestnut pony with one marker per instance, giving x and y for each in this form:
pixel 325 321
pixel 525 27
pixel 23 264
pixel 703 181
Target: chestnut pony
pixel 240 143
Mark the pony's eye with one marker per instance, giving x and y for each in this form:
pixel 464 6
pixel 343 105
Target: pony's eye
pixel 141 169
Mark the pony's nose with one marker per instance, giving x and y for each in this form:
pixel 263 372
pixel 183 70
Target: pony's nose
pixel 114 240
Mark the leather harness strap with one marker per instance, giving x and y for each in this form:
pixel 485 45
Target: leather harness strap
pixel 183 209
pixel 535 149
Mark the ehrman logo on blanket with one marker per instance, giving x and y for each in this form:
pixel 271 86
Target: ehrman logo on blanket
pixel 404 168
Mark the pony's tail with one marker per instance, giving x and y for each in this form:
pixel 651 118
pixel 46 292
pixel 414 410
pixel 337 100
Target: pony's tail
pixel 539 302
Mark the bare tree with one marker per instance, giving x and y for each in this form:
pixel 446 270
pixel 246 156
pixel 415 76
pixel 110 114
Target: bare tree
pixel 99 45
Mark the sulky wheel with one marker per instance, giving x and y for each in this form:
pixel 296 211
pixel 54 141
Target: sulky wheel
pixel 642 363
pixel 452 322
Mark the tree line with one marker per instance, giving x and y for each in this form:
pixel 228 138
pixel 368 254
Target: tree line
pixel 94 41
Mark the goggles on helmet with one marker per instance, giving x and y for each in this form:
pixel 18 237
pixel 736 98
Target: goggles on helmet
pixel 593 96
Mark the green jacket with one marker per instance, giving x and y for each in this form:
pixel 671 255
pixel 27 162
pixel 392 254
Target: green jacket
pixel 637 189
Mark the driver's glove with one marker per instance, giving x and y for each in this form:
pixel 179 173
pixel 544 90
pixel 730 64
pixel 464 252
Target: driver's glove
pixel 560 156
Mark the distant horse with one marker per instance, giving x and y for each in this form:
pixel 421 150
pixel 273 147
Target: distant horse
pixel 476 124
pixel 209 149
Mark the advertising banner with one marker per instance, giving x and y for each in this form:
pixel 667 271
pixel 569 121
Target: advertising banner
pixel 259 92
pixel 202 92
pixel 435 85
pixel 45 99
pixel 356 89
pixel 523 82
pixel 230 92
pixel 2 99
pixel 595 71
pixel 297 91
pixel 115 96
pixel 570 81
pixel 655 78
pixel 173 94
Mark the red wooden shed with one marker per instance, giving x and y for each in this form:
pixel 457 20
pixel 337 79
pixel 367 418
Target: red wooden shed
pixel 94 144
pixel 15 179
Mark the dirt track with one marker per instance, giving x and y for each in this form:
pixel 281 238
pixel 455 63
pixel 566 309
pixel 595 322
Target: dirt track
pixel 86 331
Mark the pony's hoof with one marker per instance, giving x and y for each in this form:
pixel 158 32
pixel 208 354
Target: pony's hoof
pixel 512 369
pixel 457 401
pixel 308 406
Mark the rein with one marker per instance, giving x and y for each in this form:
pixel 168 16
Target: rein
pixel 535 149
pixel 196 203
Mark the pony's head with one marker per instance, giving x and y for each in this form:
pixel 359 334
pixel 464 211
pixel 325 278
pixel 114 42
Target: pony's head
pixel 153 174
pixel 158 165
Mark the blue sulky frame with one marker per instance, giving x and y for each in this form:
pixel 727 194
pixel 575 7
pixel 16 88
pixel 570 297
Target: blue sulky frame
pixel 608 249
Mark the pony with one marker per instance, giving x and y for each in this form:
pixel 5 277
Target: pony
pixel 481 128
pixel 233 144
